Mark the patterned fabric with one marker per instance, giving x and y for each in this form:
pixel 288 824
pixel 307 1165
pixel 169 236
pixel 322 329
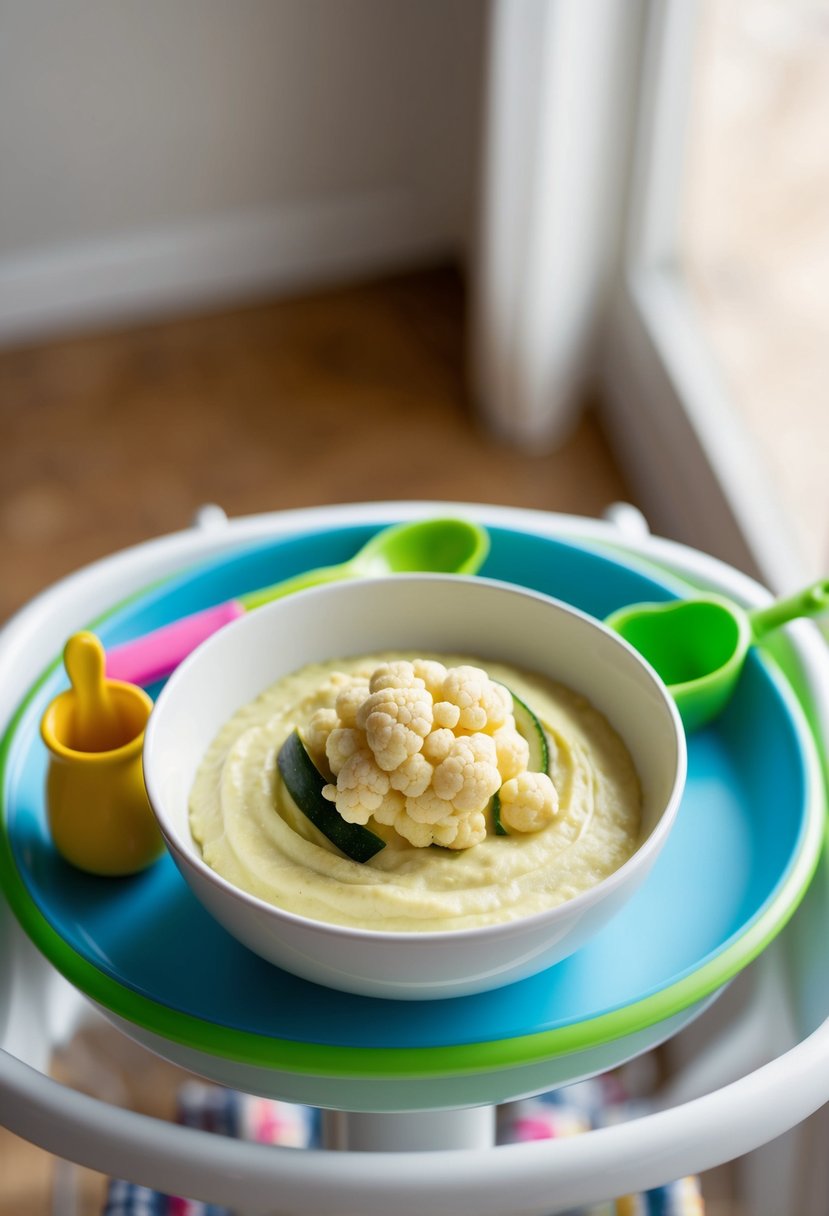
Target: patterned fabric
pixel 127 1199
pixel 577 1108
pixel 565 1112
pixel 225 1112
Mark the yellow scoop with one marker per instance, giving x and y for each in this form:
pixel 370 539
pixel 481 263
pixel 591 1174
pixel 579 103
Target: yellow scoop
pixel 98 811
pixel 94 723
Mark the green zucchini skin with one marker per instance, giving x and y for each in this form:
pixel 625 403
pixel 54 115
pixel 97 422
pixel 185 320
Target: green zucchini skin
pixel 529 726
pixel 304 783
pixel 495 807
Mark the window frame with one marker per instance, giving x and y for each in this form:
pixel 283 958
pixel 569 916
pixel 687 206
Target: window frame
pixel 699 475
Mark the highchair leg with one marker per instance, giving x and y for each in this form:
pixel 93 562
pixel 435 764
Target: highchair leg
pixel 420 1131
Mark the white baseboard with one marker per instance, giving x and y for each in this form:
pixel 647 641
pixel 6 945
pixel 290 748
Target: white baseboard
pixel 135 276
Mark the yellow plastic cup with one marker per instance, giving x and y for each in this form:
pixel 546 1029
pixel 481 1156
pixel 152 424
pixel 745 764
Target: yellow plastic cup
pixel 98 812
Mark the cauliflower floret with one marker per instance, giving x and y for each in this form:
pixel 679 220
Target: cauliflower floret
pixel 360 789
pixel 498 705
pixel 464 686
pixel 446 714
pixel 437 745
pixel 413 776
pixel 528 802
pixel 469 776
pixel 341 744
pixel 471 831
pixel 453 832
pixel 315 735
pixel 512 749
pixel 349 700
pixel 421 835
pixel 483 704
pixel 445 832
pixel 432 674
pixel 398 674
pixel 396 721
pixel 428 807
pixel 390 808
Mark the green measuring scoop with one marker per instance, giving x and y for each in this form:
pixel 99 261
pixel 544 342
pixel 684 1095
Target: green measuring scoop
pixel 698 646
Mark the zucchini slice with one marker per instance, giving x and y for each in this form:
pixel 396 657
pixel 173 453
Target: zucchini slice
pixel 495 808
pixel 304 783
pixel 528 725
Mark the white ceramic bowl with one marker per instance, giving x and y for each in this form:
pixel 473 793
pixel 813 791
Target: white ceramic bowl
pixel 430 613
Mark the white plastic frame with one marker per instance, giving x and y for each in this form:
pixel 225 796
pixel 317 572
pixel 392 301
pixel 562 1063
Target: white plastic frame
pixel 540 1177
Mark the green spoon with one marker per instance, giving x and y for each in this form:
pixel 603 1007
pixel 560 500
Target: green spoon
pixel 443 546
pixel 698 646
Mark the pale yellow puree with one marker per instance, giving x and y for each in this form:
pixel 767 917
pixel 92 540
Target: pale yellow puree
pixel 252 833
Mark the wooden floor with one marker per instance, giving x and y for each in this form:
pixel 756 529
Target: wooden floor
pixel 352 395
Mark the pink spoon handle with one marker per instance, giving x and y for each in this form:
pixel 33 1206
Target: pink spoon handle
pixel 155 655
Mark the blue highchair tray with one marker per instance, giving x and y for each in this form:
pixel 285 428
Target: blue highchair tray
pixel 740 857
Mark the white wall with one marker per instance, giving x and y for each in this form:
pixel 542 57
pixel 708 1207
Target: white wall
pixel 156 154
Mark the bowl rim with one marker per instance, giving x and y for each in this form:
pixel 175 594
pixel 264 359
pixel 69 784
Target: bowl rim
pixel 644 853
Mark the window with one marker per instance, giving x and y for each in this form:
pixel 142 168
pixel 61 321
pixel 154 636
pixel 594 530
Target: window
pixel 656 209
pixel 717 359
pixel 755 237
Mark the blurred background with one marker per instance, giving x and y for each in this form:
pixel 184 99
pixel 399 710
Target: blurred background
pixel 559 253
pixel 275 253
